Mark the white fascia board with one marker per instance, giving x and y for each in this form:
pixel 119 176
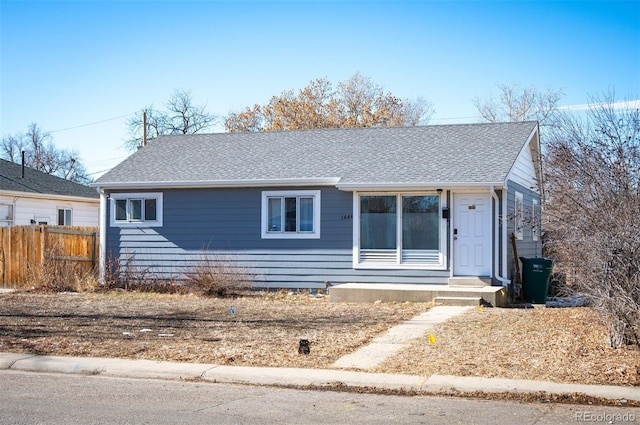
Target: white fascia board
pixel 331 181
pixel 355 187
pixel 49 196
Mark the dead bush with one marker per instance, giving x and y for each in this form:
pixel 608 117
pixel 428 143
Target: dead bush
pixel 218 275
pixel 122 275
pixel 60 274
pixel 593 211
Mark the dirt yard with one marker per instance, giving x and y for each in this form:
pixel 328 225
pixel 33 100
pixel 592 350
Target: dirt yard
pixel 562 345
pixel 249 331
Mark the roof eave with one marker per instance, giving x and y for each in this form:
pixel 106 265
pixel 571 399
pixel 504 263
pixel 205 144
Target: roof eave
pixel 38 195
pixel 329 181
pixel 354 187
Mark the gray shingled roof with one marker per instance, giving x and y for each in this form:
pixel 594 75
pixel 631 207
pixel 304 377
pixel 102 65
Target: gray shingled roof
pixel 39 182
pixel 467 153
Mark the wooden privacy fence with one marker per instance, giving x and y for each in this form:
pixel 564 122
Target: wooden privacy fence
pixel 25 247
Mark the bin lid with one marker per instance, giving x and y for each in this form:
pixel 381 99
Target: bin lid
pixel 537 260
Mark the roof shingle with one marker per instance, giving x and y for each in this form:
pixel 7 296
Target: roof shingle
pixel 467 153
pixel 38 182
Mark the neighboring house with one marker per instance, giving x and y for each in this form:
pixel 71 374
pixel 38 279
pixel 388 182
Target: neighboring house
pixel 29 197
pixel 421 205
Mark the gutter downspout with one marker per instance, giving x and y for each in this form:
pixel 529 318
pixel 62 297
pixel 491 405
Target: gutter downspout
pixel 103 235
pixel 505 239
pixel 496 266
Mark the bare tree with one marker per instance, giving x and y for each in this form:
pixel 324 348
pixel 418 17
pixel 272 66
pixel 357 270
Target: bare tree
pixel 181 116
pixel 357 102
pixel 516 104
pixel 593 208
pixel 42 155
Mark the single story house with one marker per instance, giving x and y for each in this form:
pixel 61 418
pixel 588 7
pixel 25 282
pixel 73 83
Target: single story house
pixel 28 196
pixel 413 205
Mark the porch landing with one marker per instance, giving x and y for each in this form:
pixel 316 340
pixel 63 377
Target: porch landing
pixel 440 294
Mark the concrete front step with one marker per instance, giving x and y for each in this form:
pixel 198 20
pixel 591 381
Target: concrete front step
pixel 458 301
pixel 372 292
pixel 469 282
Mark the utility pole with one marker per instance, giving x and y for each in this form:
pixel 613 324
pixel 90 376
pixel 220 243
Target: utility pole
pixel 144 128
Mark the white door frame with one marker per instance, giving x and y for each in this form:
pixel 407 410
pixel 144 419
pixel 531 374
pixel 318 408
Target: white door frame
pixel 488 238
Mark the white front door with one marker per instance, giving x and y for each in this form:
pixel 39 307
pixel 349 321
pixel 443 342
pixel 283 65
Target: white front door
pixel 471 234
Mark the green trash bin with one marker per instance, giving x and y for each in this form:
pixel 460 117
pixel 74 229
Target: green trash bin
pixel 536 273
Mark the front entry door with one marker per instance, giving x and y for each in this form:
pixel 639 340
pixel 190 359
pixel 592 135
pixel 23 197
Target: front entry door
pixel 472 234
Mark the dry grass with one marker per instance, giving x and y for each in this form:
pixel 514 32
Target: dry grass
pixel 562 345
pixel 264 330
pixel 59 275
pixel 552 344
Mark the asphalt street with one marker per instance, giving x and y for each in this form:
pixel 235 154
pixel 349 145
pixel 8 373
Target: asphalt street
pixel 51 398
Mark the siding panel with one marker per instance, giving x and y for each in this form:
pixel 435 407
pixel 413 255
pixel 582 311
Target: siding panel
pixel 225 223
pixel 526 247
pixel 28 208
pixel 523 172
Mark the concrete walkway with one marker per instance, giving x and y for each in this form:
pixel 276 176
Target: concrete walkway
pixel 397 337
pixel 297 377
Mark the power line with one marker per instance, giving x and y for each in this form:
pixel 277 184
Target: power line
pixel 92 123
pixel 102 161
pixel 457 118
pixel 99 172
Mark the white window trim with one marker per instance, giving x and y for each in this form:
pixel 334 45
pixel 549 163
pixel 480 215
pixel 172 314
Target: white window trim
pixel 11 220
pixel 535 220
pixel 58 215
pixel 398 265
pixel 315 194
pixel 518 216
pixel 138 195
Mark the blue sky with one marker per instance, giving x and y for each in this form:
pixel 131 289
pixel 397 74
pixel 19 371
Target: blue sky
pixel 80 68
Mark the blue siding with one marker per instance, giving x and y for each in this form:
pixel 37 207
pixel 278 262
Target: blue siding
pixel 226 222
pixel 526 247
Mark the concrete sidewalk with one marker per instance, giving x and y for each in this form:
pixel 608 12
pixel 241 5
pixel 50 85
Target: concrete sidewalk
pixel 386 345
pixel 297 377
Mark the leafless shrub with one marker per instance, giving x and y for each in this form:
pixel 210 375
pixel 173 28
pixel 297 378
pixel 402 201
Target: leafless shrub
pixel 60 274
pixel 593 211
pixel 123 275
pixel 218 275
